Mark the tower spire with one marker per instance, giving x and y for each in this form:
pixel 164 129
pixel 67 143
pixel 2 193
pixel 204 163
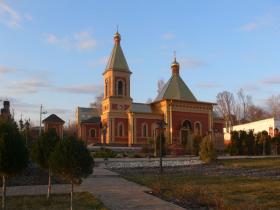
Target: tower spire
pixel 117 61
pixel 117 36
pixel 175 66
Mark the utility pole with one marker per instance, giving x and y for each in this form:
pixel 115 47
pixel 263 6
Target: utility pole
pixel 41 112
pixel 161 125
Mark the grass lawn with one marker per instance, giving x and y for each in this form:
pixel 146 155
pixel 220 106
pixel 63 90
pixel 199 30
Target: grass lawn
pixel 82 201
pixel 251 163
pixel 218 192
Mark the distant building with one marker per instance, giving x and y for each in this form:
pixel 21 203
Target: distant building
pixel 84 113
pixel 126 123
pixel 88 123
pixel 5 111
pixel 89 130
pixel 54 122
pixel 271 125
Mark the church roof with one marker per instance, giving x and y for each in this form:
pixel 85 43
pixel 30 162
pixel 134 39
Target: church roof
pixel 53 118
pixel 141 108
pixel 176 88
pixel 92 120
pixel 117 59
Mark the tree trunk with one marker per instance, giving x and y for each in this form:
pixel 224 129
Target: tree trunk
pixel 3 192
pixel 264 148
pixel 72 187
pixel 49 185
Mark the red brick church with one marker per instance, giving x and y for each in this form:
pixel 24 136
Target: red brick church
pixel 123 122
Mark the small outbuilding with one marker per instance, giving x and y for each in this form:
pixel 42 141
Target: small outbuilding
pixel 54 122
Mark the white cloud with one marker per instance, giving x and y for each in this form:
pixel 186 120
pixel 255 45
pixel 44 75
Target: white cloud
pixel 52 39
pixel 5 70
pixel 84 40
pixel 249 26
pixel 80 89
pixel 81 41
pixel 250 87
pixel 270 19
pixel 168 36
pixel 9 16
pixel 60 42
pixel 31 85
pixel 271 80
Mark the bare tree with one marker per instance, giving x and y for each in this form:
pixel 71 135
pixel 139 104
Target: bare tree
pixel 273 103
pixel 160 85
pixel 245 101
pixel 255 113
pixel 98 102
pixel 71 129
pixel 226 106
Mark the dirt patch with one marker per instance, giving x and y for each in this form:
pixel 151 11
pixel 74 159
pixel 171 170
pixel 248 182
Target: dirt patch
pixel 33 175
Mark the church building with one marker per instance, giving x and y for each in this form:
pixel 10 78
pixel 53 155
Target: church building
pixel 125 123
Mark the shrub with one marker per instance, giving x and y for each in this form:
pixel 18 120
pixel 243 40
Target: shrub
pixel 207 151
pixel 196 142
pixel 104 153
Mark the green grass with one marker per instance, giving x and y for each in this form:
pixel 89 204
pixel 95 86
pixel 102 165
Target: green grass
pixel 82 201
pixel 251 163
pixel 219 192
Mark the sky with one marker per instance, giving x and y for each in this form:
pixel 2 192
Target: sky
pixel 54 52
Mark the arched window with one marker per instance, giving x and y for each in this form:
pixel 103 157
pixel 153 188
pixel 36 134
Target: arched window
pixel 187 125
pixel 144 130
pixel 197 128
pixel 92 133
pixel 120 88
pixel 106 88
pixel 120 130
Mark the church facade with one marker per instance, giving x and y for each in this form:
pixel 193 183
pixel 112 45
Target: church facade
pixel 125 123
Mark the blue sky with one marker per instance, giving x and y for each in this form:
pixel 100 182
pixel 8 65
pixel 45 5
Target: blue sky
pixel 54 52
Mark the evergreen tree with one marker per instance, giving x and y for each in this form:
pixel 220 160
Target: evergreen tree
pixel 207 151
pixel 41 153
pixel 161 138
pixel 250 142
pixel 263 140
pixel 232 147
pixel 276 141
pixel 13 153
pixel 72 161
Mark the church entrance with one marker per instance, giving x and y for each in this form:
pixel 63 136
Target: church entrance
pixel 186 137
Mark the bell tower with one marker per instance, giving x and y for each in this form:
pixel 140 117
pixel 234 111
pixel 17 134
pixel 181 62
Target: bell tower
pixel 117 98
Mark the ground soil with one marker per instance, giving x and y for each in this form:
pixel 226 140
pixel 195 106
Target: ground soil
pixel 33 175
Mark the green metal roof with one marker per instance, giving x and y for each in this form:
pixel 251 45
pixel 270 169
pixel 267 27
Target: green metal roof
pixel 176 88
pixel 141 108
pixel 117 59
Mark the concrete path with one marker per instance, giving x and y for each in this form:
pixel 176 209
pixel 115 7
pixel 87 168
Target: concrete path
pixel 116 193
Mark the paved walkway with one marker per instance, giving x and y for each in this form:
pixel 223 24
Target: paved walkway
pixel 115 192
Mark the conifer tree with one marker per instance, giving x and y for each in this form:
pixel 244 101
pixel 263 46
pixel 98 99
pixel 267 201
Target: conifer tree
pixel 13 153
pixel 72 161
pixel 207 151
pixel 41 153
